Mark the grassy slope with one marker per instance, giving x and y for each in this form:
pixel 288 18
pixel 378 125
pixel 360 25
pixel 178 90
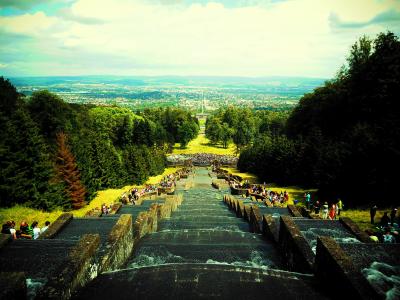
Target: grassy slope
pixel 19 213
pixel 294 192
pixel 202 145
pixel 362 217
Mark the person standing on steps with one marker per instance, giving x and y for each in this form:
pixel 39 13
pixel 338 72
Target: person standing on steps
pixel 332 212
pixel 46 225
pixel 325 209
pixel 372 213
pixel 393 215
pixel 385 220
pixel 36 230
pixel 339 206
pixel 308 200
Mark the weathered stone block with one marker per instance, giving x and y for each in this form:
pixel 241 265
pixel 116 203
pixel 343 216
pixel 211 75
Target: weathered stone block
pixel 57 226
pixel 334 268
pixel 354 229
pixel 119 244
pixel 296 250
pixel 215 184
pixel 269 228
pixel 165 211
pixel 140 227
pixel 12 285
pixel 246 212
pixel 78 269
pixel 294 211
pixel 306 213
pixel 5 239
pixel 115 208
pixel 255 219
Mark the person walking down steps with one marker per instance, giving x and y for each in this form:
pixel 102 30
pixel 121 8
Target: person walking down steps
pixel 372 213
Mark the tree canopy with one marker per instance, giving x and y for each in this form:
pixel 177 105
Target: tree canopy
pixel 56 154
pixel 342 138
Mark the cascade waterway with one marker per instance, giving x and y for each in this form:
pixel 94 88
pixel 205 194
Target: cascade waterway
pixel 203 251
pixel 203 230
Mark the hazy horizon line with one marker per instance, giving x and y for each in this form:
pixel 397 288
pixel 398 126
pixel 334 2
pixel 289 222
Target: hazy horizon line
pixel 169 75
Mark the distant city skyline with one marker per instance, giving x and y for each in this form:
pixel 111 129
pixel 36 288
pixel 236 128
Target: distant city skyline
pixel 304 38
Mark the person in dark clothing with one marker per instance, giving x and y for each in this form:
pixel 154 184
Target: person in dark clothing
pixel 26 231
pixel 6 228
pixel 385 220
pixel 372 213
pixel 393 215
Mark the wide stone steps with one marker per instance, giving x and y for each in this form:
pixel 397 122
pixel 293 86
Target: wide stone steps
pixel 230 224
pixel 205 218
pixel 37 258
pixel 205 211
pixel 80 226
pixel 201 281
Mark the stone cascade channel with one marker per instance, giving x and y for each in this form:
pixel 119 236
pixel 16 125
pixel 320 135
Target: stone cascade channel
pixel 203 251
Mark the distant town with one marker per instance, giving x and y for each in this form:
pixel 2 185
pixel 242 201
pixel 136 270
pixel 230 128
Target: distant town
pixel 197 94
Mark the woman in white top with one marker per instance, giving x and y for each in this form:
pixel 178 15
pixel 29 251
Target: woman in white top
pixel 13 232
pixel 36 230
pixel 45 227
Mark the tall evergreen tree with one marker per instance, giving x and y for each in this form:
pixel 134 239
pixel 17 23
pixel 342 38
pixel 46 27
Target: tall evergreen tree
pixel 68 172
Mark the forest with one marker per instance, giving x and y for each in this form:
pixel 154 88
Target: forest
pixel 58 155
pixel 343 138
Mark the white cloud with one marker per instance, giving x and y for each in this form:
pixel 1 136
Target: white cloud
pixel 143 37
pixel 28 24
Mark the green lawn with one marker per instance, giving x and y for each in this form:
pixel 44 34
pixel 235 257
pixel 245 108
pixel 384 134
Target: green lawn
pixel 19 213
pixel 202 145
pixel 362 217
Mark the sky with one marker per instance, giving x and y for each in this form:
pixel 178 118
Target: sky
pixel 255 38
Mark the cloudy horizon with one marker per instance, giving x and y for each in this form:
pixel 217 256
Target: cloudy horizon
pixel 301 38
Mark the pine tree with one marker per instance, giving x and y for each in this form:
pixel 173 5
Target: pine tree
pixel 68 172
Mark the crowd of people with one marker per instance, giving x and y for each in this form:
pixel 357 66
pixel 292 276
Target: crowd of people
pixel 261 190
pixel 279 198
pixel 135 193
pixel 202 159
pixel 168 181
pixel 324 210
pixel 239 185
pixel 387 229
pixel 25 230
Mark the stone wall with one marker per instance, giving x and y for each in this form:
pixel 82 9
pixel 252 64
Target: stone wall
pixel 215 184
pixel 163 211
pixel 5 239
pixel 294 211
pixel 334 268
pixel 12 285
pixel 295 249
pixel 119 244
pixel 354 229
pixel 238 207
pixel 246 214
pixel 147 221
pixel 269 228
pixel 140 227
pixel 56 226
pixel 75 272
pixel 255 219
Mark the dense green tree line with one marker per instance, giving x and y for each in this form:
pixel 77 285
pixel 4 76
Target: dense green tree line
pixel 53 153
pixel 243 126
pixel 173 125
pixel 344 137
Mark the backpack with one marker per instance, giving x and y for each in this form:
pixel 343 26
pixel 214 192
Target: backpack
pixel 387 238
